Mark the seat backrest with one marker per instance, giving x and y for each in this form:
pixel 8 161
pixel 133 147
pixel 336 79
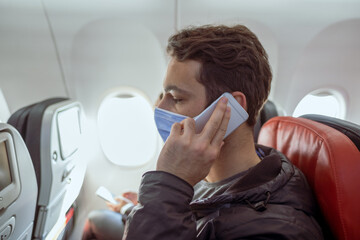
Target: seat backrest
pixel 351 130
pixel 268 111
pixel 28 121
pixel 18 187
pixel 331 164
pixel 52 132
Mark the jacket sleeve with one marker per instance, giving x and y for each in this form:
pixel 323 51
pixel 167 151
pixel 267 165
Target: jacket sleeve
pixel 163 211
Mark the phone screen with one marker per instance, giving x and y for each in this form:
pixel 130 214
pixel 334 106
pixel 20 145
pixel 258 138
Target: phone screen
pixel 105 194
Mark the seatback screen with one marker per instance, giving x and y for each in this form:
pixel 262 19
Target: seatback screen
pixel 5 174
pixel 69 131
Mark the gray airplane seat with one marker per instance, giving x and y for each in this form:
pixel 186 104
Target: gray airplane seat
pixel 51 130
pixel 18 187
pixel 351 130
pixel 268 111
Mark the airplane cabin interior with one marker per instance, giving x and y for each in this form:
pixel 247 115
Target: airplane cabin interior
pixel 79 80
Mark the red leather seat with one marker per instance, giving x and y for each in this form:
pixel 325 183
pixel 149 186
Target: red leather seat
pixel 331 163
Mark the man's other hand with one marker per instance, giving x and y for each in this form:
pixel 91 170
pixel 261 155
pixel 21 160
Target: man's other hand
pixel 132 196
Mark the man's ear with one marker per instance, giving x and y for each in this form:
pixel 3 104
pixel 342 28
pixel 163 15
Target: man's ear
pixel 241 98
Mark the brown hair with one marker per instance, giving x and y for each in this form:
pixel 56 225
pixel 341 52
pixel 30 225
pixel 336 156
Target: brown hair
pixel 232 59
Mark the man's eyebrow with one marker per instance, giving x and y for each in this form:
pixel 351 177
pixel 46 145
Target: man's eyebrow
pixel 176 89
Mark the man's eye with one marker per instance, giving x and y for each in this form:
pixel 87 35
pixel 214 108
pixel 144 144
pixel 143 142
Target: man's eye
pixel 177 100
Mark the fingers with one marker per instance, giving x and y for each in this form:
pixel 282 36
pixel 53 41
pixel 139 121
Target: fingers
pixel 118 199
pixel 214 130
pixel 185 127
pixel 176 129
pixel 129 194
pixel 111 206
pixel 212 126
pixel 219 135
pixel 132 196
pixel 189 127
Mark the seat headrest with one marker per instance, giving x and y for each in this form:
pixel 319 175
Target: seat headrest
pixel 331 163
pixel 268 111
pixel 28 121
pixel 351 130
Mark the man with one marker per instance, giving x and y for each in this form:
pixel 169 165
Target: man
pixel 207 187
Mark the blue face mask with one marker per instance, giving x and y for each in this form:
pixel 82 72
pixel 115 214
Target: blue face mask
pixel 164 121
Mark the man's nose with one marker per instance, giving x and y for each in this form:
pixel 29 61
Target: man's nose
pixel 161 104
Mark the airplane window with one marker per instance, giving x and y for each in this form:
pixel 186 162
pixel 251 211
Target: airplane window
pixel 323 103
pixel 127 130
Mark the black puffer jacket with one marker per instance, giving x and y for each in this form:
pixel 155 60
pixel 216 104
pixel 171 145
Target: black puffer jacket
pixel 272 201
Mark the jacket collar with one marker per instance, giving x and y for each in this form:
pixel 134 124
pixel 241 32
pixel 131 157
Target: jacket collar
pixel 265 177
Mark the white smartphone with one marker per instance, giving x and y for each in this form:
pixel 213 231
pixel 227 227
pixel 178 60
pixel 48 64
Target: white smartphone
pixel 105 194
pixel 238 115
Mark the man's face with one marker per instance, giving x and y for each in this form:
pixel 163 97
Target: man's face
pixel 183 94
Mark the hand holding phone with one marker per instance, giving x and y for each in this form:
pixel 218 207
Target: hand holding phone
pixel 105 194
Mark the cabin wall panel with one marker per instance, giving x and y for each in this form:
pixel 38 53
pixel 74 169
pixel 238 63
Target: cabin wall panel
pixel 285 29
pixel 331 61
pixel 29 70
pixel 68 18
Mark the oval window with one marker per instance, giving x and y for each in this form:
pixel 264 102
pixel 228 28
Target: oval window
pixel 127 130
pixel 328 103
